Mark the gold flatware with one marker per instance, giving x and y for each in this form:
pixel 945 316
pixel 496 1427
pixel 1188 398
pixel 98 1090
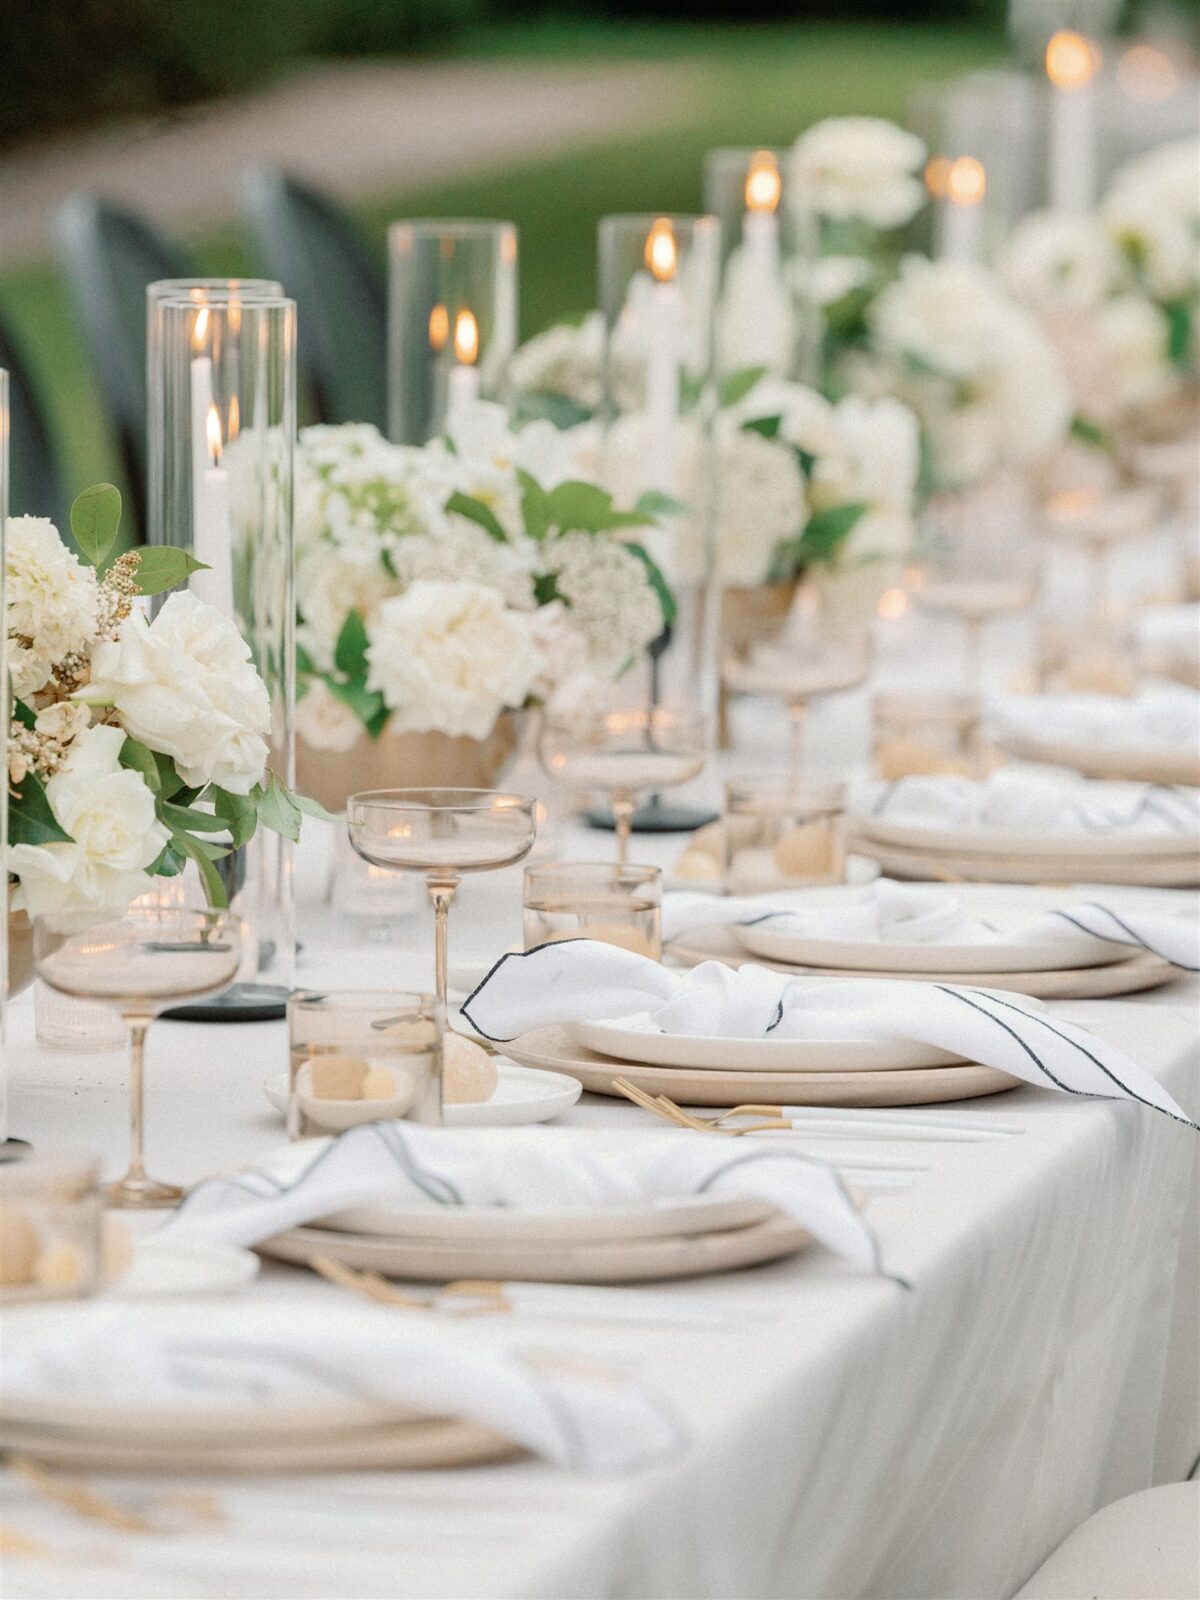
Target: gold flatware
pixel 662 1106
pixel 368 1284
pixel 78 1496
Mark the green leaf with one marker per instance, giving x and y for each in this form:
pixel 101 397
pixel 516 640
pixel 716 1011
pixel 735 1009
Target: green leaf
pixel 170 784
pixel 584 507
pixel 545 588
pixel 305 665
pixel 24 714
pixel 1179 331
pixel 350 652
pixel 310 807
pixel 653 504
pixel 182 819
pixel 137 758
pixel 367 704
pixel 535 505
pixel 170 863
pixel 657 582
pixel 277 810
pixel 738 385
pixel 239 813
pixel 475 511
pixel 1091 433
pixel 767 426
pixel 543 405
pixel 214 887
pixel 30 819
pixel 827 531
pixel 162 566
pixel 95 518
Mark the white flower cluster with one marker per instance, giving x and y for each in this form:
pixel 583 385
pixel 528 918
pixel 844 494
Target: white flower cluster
pixel 182 686
pixel 567 360
pixel 455 633
pixel 1103 286
pixel 974 366
pixel 858 169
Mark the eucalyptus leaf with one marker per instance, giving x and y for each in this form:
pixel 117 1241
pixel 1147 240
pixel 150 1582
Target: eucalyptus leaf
pixel 182 819
pixel 311 807
pixel 95 519
pixel 30 819
pixel 163 566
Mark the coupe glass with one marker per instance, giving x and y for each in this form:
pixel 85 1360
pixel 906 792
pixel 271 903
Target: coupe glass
pixel 626 754
pixel 442 833
pixel 141 965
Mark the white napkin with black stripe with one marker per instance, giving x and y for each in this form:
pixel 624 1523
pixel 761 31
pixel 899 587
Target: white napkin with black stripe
pixel 1162 716
pixel 886 912
pixel 257 1357
pixel 581 980
pixel 528 1169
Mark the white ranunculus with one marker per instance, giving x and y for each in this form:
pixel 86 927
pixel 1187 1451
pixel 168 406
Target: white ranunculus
pixel 109 813
pixel 186 687
pixel 858 168
pixel 448 658
pixel 51 599
pixel 1054 260
pixel 324 722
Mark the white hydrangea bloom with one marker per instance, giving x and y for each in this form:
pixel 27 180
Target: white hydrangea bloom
pixel 860 168
pixel 760 503
pixel 611 603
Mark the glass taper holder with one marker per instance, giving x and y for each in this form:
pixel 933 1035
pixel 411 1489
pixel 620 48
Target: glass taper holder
pixel 743 189
pixel 222 385
pixel 452 323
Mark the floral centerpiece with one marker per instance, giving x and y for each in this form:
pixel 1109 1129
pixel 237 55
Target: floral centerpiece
pixel 134 747
pixel 440 588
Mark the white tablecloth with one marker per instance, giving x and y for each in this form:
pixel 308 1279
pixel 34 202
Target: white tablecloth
pixel 848 1440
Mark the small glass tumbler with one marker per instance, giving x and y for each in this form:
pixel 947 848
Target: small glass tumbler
pixel 50 1228
pixel 619 905
pixel 363 1055
pixel 776 835
pixel 927 735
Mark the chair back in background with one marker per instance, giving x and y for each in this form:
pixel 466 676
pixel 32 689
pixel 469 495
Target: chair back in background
pixel 311 245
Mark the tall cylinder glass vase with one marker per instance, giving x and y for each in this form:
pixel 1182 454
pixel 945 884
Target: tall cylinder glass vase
pixel 658 290
pixel 7 974
pixel 222 429
pixel 452 325
pixel 743 189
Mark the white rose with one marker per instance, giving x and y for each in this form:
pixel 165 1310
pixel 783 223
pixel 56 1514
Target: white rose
pixel 862 168
pixel 448 658
pixel 328 589
pixel 185 686
pixel 1057 260
pixel 1152 212
pixel 875 459
pixel 109 813
pixel 324 722
pixel 51 599
pixel 27 671
pixel 950 315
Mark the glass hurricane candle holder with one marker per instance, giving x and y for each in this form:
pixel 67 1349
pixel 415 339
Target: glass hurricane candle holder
pixel 140 966
pixel 222 428
pixel 620 905
pixel 50 1228
pixel 442 833
pixel 780 835
pixel 926 733
pixel 452 322
pixel 743 189
pixel 658 279
pixel 362 1055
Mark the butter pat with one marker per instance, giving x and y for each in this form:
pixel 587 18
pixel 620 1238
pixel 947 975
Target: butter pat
pixel 18 1247
pixel 337 1077
pixel 808 851
pixel 469 1074
pixel 379 1084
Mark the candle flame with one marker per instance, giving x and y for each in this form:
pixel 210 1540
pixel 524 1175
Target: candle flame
pixel 466 338
pixel 1071 59
pixel 937 176
pixel 235 418
pixel 764 186
pixel 200 328
pixel 213 431
pixel 661 254
pixel 966 181
pixel 893 603
pixel 439 327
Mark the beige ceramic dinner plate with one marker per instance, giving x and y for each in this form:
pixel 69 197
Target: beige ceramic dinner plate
pixel 933 836
pixel 1125 763
pixel 632 1039
pixel 1001 954
pixel 481 1226
pixel 617 1261
pixel 199 1426
pixel 598 1072
pixel 1063 871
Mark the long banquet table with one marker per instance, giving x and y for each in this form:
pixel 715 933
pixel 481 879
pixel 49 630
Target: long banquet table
pixel 847 1438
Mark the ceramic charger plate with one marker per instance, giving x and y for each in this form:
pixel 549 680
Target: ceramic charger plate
pixel 942 839
pixel 1002 954
pixel 1123 763
pixel 1063 871
pixel 636 1039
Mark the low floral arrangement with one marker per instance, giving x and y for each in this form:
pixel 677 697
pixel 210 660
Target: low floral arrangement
pixel 1118 291
pixel 133 746
pixel 439 586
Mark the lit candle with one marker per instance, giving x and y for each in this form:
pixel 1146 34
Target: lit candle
pixel 962 209
pixel 1071 63
pixel 212 534
pixel 763 334
pixel 462 390
pixel 202 399
pixel 662 357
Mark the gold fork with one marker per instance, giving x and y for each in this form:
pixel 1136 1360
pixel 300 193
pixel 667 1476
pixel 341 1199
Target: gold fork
pixel 662 1106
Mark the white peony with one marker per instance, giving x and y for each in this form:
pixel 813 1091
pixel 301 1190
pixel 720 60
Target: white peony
pixel 186 687
pixel 1152 213
pixel 115 837
pixel 328 588
pixel 448 658
pixel 324 722
pixel 1055 260
pixel 947 316
pixel 52 601
pixel 858 168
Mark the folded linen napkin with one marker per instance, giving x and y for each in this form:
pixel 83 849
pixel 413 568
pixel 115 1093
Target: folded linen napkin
pixel 578 980
pixel 531 1168
pixel 887 912
pixel 1162 716
pixel 256 1356
pixel 1034 803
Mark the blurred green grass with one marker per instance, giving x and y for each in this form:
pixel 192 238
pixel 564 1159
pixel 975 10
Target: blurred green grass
pixel 748 86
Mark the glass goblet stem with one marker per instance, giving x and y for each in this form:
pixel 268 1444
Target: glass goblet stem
pixel 797 713
pixel 441 892
pixel 624 805
pixel 136 1189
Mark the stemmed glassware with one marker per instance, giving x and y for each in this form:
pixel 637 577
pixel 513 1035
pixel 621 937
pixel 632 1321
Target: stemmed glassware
pixel 442 833
pixel 626 754
pixel 141 965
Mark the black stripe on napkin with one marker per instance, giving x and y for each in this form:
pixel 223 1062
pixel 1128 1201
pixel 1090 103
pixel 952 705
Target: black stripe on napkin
pixel 1134 939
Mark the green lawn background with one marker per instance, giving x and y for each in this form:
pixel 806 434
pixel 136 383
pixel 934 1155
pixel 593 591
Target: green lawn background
pixel 750 87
